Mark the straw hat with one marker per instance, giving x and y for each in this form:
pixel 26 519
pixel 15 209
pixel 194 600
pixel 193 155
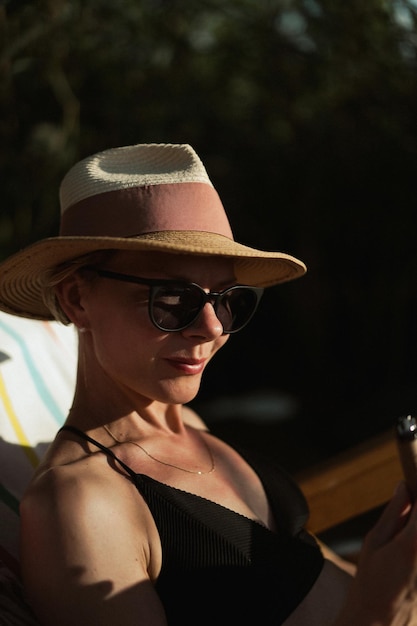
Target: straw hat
pixel 145 197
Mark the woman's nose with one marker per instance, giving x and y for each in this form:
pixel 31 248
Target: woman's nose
pixel 206 325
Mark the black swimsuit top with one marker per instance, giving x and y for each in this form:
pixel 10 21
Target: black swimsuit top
pixel 220 568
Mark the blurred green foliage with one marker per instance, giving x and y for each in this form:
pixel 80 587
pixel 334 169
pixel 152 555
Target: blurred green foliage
pixel 304 112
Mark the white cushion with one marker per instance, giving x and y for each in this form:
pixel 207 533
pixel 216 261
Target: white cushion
pixel 37 380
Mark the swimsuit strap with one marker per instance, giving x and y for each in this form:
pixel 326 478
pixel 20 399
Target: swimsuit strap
pixel 107 451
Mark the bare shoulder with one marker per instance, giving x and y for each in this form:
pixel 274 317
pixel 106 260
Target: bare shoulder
pixel 87 480
pixel 191 418
pixel 64 496
pixel 90 528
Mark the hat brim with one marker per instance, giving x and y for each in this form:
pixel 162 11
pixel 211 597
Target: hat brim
pixel 22 275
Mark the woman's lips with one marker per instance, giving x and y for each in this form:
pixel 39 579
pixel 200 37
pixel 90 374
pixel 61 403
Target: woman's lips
pixel 188 366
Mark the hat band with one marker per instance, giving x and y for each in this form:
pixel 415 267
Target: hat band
pixel 134 211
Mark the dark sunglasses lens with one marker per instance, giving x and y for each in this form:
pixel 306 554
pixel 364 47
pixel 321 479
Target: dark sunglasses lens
pixel 174 308
pixel 236 307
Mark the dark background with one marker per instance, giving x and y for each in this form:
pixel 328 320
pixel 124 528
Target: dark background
pixel 305 115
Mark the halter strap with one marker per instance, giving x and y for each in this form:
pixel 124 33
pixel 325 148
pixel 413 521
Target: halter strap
pixel 103 448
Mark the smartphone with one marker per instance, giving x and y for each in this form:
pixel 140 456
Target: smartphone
pixel 406 435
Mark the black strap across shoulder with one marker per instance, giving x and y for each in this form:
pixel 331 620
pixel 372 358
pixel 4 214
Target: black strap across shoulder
pixel 83 435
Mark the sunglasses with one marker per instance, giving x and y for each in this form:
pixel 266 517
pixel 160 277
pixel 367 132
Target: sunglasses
pixel 175 305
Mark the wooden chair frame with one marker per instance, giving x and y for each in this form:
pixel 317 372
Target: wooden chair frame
pixel 351 483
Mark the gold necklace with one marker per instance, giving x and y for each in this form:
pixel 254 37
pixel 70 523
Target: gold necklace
pixel 183 469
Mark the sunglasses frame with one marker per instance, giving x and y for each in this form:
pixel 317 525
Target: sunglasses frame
pixel 213 297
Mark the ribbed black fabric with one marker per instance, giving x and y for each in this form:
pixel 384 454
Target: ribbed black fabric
pixel 221 568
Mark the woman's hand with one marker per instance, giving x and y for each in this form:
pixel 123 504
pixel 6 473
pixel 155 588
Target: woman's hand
pixel 384 591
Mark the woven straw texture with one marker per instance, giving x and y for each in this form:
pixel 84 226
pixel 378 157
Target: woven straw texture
pixel 132 166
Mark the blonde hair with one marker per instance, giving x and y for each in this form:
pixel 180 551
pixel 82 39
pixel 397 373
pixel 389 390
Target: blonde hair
pixel 58 274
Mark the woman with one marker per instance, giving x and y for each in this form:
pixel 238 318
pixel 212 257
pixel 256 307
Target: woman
pixel 138 514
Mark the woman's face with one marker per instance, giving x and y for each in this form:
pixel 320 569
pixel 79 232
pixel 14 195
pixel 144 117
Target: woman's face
pixel 124 343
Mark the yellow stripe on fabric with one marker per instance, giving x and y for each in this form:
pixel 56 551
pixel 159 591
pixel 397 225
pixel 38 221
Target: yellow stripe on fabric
pixel 14 420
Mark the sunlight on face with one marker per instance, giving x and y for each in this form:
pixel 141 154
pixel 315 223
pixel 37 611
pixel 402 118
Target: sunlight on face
pixel 125 345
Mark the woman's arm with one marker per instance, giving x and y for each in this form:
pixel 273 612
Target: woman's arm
pixel 89 550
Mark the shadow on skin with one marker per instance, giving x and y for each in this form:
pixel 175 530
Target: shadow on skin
pixel 104 608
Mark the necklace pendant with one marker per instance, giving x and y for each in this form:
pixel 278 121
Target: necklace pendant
pixel 182 469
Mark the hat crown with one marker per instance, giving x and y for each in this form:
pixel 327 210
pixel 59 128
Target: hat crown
pixel 139 189
pixel 140 165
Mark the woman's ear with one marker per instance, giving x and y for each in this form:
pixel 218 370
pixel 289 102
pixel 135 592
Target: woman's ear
pixel 70 295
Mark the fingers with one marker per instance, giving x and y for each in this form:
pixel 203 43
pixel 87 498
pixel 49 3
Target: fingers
pixel 393 518
pixel 386 580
